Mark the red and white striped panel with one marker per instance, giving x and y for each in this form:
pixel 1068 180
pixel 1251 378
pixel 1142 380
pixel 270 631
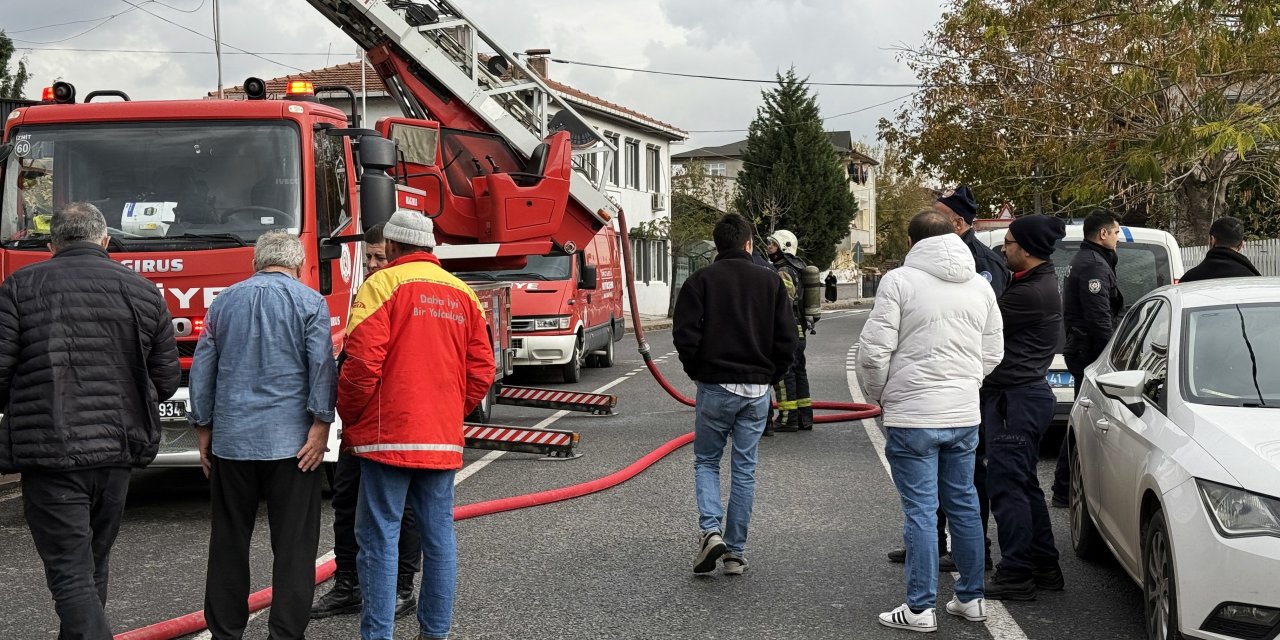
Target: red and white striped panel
pixel 552 395
pixel 512 434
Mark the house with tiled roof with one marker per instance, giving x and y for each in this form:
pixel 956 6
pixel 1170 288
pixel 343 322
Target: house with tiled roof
pixel 725 161
pixel 638 179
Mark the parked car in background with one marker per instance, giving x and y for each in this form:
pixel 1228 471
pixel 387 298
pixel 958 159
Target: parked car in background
pixel 1174 447
pixel 1146 259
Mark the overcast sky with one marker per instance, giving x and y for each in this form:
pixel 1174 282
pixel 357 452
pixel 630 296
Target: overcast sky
pixel 828 40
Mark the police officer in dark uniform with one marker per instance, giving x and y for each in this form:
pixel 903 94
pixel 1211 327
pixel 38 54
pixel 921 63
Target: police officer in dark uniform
pixel 962 208
pixel 958 204
pixel 795 407
pixel 1091 309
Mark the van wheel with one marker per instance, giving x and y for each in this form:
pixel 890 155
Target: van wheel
pixel 1085 539
pixel 571 371
pixel 1159 585
pixel 604 361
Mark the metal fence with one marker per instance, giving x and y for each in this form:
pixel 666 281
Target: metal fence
pixel 1264 254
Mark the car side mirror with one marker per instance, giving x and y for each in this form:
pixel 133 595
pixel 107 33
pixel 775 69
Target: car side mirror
pixel 1125 387
pixel 589 277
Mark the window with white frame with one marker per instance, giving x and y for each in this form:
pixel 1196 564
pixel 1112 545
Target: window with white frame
pixel 651 260
pixel 653 163
pixel 717 169
pixel 617 157
pixel 632 154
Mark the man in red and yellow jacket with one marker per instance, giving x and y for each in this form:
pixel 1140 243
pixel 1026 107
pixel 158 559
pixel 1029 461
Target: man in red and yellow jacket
pixel 419 359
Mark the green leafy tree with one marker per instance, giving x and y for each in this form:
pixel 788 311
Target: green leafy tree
pixel 11 83
pixel 1152 107
pixel 792 177
pixel 900 194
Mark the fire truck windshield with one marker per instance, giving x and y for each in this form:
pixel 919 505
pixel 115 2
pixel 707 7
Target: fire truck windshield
pixel 161 186
pixel 538 268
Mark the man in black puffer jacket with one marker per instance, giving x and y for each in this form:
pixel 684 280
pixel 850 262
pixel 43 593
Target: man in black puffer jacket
pixel 86 354
pixel 1224 260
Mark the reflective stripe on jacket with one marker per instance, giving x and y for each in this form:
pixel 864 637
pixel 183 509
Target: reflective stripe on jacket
pixel 419 359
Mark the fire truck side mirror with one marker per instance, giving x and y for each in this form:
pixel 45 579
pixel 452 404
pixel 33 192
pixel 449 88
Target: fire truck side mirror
pixel 377 189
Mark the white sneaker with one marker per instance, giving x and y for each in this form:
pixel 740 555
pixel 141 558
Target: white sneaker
pixel 974 610
pixel 902 618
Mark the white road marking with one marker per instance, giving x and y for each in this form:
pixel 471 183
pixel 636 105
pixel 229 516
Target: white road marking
pixel 1000 624
pixel 17 493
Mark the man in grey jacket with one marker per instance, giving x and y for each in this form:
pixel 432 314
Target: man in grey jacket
pixel 935 332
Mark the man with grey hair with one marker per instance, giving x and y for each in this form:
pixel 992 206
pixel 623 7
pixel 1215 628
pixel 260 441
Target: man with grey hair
pixel 262 399
pixel 86 355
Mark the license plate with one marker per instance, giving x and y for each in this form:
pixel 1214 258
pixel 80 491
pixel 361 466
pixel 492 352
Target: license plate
pixel 173 410
pixel 1060 379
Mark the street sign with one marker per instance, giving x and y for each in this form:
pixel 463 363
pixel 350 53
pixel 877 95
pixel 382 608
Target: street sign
pixel 857 253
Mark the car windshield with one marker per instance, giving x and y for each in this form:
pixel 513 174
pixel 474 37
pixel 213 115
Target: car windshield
pixel 1229 355
pixel 160 186
pixel 538 268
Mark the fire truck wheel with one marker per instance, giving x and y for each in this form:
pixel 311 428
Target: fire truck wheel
pixel 604 360
pixel 572 370
pixel 482 413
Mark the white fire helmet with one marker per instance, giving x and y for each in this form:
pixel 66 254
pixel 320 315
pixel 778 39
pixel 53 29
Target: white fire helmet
pixel 785 241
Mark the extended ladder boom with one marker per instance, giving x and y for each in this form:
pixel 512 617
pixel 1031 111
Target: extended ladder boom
pixel 496 91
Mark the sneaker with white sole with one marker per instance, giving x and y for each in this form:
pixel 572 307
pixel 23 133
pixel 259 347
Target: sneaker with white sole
pixel 903 618
pixel 709 552
pixel 732 565
pixel 974 610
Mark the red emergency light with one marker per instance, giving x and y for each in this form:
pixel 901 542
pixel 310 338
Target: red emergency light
pixel 47 95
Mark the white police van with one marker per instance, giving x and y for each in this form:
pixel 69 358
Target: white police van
pixel 1146 259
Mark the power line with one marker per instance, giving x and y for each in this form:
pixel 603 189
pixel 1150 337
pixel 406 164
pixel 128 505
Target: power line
pixel 832 117
pixel 103 20
pixel 732 79
pixel 201 53
pixel 209 38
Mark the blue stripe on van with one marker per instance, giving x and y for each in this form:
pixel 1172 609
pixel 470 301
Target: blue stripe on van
pixel 1128 235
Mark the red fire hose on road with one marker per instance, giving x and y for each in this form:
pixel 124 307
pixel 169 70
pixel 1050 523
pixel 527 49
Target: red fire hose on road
pixel 855 410
pixel 195 622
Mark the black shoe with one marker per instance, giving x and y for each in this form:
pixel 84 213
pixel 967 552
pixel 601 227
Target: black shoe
pixel 342 599
pixel 1060 502
pixel 898 555
pixel 768 430
pixel 1006 586
pixel 709 551
pixel 790 427
pixel 806 425
pixel 406 603
pixel 1049 578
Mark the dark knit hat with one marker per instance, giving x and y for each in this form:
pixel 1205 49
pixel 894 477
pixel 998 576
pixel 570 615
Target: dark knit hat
pixel 1037 234
pixel 960 200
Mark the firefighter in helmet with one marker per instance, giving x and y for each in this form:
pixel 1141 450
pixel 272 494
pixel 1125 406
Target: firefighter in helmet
pixel 795 407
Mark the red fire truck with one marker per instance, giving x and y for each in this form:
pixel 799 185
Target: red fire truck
pixel 485 148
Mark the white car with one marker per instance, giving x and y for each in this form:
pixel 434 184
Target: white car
pixel 1175 457
pixel 1145 259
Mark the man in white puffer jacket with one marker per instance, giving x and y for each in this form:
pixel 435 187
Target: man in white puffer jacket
pixel 934 334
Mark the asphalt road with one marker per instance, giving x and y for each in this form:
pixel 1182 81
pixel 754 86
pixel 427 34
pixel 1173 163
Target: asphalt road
pixel 616 564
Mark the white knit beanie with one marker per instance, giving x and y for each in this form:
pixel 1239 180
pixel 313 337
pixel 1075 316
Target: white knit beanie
pixel 411 228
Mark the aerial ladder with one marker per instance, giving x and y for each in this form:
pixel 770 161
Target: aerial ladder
pixel 483 110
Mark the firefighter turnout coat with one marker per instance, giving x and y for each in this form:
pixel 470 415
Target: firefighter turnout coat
pixel 418 360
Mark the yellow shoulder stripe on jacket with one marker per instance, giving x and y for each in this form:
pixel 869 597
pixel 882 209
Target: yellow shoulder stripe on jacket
pixel 381 286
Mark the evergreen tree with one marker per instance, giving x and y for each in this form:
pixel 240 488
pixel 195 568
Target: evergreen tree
pixel 792 177
pixel 11 84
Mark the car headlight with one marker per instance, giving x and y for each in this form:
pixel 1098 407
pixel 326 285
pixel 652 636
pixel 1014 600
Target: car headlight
pixel 558 322
pixel 1238 513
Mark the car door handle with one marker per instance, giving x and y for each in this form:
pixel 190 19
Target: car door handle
pixel 1102 424
pixel 1085 402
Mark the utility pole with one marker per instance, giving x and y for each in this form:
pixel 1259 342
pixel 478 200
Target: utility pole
pixel 217 44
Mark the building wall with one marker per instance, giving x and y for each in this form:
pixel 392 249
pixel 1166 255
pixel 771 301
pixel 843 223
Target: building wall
pixel 863 228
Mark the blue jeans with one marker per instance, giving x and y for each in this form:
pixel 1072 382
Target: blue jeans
pixel 929 464
pixel 719 415
pixel 384 491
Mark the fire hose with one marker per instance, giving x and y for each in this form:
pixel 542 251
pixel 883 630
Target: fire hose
pixel 854 410
pixel 195 622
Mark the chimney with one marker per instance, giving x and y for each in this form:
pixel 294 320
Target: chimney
pixel 538 61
